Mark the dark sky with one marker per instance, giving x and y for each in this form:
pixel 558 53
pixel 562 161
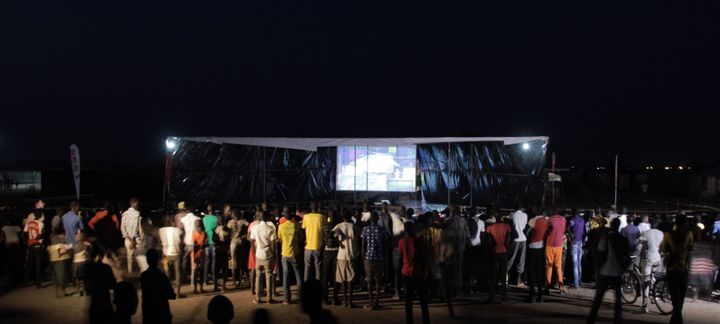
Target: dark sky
pixel 638 78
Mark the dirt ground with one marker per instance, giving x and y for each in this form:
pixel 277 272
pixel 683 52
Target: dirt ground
pixel 32 305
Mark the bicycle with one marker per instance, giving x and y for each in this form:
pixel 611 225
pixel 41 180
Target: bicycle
pixel 659 294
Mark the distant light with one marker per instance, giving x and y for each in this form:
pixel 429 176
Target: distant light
pixel 171 144
pixel 667 168
pixel 680 167
pixel 526 146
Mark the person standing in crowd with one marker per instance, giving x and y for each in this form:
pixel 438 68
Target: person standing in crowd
pixel 631 233
pixel 413 274
pixel 501 233
pixel 553 252
pixel 34 230
pixel 289 235
pixel 330 254
pixel 385 222
pixel 374 239
pixel 477 230
pixel 263 235
pixel 36 213
pixel 197 257
pixel 226 214
pixel 131 231
pixel 210 222
pixel 99 280
pixel 238 229
pixel 645 224
pixel 516 252
pixel 649 250
pixel 458 226
pixel 13 252
pixel 577 237
pixel 170 238
pixel 72 223
pixel 398 231
pixel 79 262
pixel 615 259
pixel 187 224
pixel 156 291
pixel 179 214
pixel 677 246
pixel 106 225
pixel 59 255
pixel 346 256
pixel 251 254
pixel 312 224
pixel 222 249
pixel 126 302
pixel 536 256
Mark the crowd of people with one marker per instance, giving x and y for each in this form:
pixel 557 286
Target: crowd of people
pixel 332 253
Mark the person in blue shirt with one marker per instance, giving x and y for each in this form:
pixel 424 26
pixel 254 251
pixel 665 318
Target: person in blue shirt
pixel 72 223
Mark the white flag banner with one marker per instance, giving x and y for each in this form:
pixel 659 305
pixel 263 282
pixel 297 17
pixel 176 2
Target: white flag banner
pixel 75 160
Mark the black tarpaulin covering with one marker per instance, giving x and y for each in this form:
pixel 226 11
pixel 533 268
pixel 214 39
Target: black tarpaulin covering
pixel 207 172
pixel 478 173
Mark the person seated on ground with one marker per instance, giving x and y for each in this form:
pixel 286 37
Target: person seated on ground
pixel 261 316
pixel 220 310
pixel 156 291
pixel 311 302
pixel 126 302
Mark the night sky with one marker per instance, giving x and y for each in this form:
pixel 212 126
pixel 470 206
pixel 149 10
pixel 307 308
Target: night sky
pixel 638 78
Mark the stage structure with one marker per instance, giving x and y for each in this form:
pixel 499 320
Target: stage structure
pixel 443 170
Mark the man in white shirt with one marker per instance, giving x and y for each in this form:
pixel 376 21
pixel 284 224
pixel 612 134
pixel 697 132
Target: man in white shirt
pixel 131 231
pixel 188 227
pixel 347 254
pixel 644 225
pixel 264 237
pixel 649 248
pixel 519 220
pixel 171 237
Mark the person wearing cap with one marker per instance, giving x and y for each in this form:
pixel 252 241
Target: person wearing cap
pixel 179 214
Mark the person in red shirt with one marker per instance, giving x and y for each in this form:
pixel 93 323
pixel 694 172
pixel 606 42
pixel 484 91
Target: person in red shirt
pixel 413 274
pixel 501 233
pixel 536 257
pixel 554 251
pixel 34 229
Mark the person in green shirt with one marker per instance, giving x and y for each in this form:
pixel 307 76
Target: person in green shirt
pixel 289 234
pixel 210 222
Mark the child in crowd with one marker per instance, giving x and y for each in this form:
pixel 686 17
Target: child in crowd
pixel 199 238
pixel 79 261
pixel 59 255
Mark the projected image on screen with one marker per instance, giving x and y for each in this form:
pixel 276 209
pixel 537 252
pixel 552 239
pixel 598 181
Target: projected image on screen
pixel 376 168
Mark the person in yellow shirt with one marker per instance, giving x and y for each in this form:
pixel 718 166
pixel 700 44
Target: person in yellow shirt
pixel 312 224
pixel 289 235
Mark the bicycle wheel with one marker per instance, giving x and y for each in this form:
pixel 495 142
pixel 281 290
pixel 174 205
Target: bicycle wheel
pixel 661 295
pixel 630 287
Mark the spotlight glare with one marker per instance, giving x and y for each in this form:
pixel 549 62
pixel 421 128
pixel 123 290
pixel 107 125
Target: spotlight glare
pixel 526 146
pixel 171 144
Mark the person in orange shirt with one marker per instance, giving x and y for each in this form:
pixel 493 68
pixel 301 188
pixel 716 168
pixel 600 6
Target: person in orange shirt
pixel 199 238
pixel 106 225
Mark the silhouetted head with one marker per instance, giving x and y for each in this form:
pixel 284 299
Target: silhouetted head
pixel 126 299
pixel 153 257
pixel 134 202
pixel 261 316
pixel 615 224
pixel 311 297
pixel 220 310
pixel 681 222
pixel 374 217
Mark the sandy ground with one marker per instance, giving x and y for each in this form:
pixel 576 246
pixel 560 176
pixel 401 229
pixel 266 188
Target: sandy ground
pixel 31 305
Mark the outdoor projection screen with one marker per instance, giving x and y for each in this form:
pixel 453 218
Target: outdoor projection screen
pixel 376 168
